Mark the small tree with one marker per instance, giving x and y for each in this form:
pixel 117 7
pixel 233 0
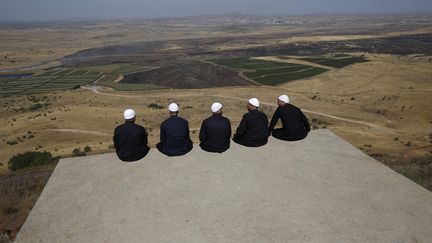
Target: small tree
pixel 77 152
pixel 87 149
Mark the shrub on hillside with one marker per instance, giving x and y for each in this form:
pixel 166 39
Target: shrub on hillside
pixel 77 152
pixel 31 159
pixel 155 106
pixel 87 149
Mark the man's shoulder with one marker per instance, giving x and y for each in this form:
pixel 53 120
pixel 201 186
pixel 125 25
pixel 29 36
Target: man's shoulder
pixel 208 119
pixel 125 126
pixel 216 119
pixel 176 119
pixel 260 113
pixel 247 115
pixel 291 106
pixel 225 119
pixel 139 127
pixel 288 108
pixel 182 119
pixel 119 127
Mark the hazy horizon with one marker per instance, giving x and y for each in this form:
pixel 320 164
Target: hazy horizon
pixel 52 10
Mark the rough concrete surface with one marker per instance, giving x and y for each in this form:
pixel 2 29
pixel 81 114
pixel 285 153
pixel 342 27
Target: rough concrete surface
pixel 321 189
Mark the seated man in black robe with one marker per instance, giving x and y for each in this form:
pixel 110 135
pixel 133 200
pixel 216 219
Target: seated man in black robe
pixel 215 133
pixel 253 128
pixel 295 125
pixel 130 139
pixel 174 134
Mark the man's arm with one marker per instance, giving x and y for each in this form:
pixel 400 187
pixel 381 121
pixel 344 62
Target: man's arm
pixel 274 120
pixel 202 134
pixel 188 131
pixel 305 121
pixel 229 129
pixel 115 139
pixel 241 128
pixel 144 139
pixel 162 133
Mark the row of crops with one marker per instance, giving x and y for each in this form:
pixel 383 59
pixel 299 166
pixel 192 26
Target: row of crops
pixel 55 79
pixel 335 62
pixel 269 72
pixel 275 73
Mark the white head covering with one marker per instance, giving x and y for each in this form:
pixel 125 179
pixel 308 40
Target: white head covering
pixel 284 99
pixel 129 114
pixel 254 102
pixel 216 107
pixel 173 107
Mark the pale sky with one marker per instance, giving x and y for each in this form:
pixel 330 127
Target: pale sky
pixel 42 10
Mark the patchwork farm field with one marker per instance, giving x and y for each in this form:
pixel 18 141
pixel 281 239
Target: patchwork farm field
pixel 188 74
pixel 269 72
pixel 69 78
pixel 56 79
pixel 338 61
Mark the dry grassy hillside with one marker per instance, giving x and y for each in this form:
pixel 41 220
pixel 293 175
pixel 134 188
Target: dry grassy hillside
pixel 390 94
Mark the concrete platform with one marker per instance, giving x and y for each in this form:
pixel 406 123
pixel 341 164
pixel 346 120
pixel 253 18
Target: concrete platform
pixel 321 189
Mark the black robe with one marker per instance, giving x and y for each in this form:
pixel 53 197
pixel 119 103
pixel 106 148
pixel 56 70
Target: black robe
pixel 174 137
pixel 130 142
pixel 295 125
pixel 253 130
pixel 215 134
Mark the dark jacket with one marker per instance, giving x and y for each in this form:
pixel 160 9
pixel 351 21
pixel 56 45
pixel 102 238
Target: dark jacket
pixel 253 129
pixel 215 134
pixel 174 137
pixel 294 122
pixel 130 141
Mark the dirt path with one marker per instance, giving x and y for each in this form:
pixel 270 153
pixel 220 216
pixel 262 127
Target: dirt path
pixel 294 61
pixel 97 80
pixel 119 78
pixel 99 90
pixel 76 131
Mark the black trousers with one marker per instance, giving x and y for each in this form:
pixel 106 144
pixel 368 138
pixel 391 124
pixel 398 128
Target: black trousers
pixel 212 150
pixel 280 134
pixel 134 157
pixel 171 153
pixel 246 143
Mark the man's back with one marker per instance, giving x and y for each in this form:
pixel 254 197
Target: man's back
pixel 130 141
pixel 215 134
pixel 174 137
pixel 294 122
pixel 253 129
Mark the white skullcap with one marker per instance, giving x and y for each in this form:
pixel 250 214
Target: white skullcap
pixel 254 102
pixel 173 107
pixel 216 107
pixel 284 99
pixel 129 114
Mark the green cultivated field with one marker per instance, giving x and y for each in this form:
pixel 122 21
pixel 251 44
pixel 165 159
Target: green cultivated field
pixel 271 73
pixel 340 62
pixel 70 78
pixel 108 81
pixel 55 79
